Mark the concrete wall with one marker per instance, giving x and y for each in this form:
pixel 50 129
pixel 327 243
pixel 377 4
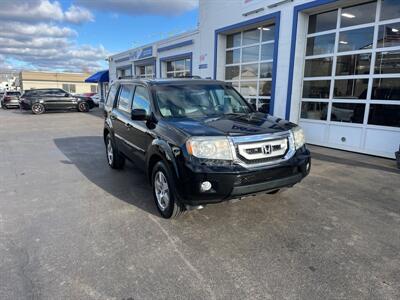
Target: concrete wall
pixel 39 80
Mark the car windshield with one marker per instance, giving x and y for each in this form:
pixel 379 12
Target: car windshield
pixel 199 101
pixel 14 93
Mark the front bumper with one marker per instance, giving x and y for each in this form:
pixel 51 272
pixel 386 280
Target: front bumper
pixel 239 183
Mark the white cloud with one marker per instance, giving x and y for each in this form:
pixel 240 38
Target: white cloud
pixel 141 7
pixel 31 36
pixel 42 11
pixel 76 14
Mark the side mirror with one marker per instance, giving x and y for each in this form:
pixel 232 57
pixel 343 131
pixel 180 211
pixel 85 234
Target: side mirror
pixel 139 114
pixel 66 95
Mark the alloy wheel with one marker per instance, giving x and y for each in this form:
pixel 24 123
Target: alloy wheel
pixel 110 153
pixel 161 189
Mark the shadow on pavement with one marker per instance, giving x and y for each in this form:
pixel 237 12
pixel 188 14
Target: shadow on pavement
pixel 87 153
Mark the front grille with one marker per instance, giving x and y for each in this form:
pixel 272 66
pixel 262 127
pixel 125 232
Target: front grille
pixel 263 151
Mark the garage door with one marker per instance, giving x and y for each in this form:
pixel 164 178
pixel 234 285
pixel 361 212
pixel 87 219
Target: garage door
pixel 249 63
pixel 351 83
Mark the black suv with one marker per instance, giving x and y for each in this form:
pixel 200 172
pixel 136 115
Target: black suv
pixel 41 100
pixel 200 142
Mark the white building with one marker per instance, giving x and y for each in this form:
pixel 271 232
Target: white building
pixel 331 66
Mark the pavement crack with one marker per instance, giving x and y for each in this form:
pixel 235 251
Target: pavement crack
pixel 184 259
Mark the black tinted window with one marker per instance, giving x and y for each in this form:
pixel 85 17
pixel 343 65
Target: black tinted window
pixel 125 98
pixel 141 99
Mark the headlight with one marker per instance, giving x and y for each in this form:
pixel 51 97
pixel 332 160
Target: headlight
pixel 209 148
pixel 299 138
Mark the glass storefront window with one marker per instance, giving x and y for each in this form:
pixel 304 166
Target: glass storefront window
pixel 353 64
pixel 266 70
pixel 232 73
pixel 386 89
pixel 348 112
pixel 250 54
pixel 389 35
pixel 384 115
pixel 314 110
pixel 178 68
pixel 248 88
pixel 268 33
pixel 322 22
pixel 233 40
pixel 358 14
pixel 232 56
pixel 249 63
pixel 267 52
pixel 390 9
pixel 322 44
pixel 387 62
pixel 351 89
pixel 316 89
pixel 318 67
pixel 251 36
pixel 265 88
pixel 368 77
pixel 357 39
pixel 249 71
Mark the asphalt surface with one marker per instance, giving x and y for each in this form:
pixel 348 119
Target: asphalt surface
pixel 72 228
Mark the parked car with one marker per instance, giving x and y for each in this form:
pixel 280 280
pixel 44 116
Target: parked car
pixel 41 100
pixel 10 99
pixel 94 96
pixel 199 142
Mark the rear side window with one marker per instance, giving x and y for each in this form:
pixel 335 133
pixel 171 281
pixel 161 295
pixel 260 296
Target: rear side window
pixel 125 98
pixel 141 99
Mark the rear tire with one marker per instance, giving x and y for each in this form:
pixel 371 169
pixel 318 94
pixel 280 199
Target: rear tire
pixel 164 193
pixel 83 107
pixel 38 108
pixel 114 158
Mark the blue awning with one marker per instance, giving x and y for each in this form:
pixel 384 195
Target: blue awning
pixel 101 76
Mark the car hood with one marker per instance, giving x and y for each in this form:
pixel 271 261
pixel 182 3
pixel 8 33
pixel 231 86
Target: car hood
pixel 232 125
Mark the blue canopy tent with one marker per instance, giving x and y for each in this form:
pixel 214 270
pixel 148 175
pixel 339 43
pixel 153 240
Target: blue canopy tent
pixel 101 78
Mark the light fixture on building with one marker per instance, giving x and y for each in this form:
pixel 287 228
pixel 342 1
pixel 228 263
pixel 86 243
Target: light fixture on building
pixel 279 3
pixel 347 15
pixel 263 28
pixel 343 42
pixel 395 30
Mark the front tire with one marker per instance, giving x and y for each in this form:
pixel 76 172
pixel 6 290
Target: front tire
pixel 38 108
pixel 83 107
pixel 163 185
pixel 114 158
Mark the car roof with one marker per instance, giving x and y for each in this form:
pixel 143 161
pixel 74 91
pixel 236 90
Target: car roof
pixel 167 81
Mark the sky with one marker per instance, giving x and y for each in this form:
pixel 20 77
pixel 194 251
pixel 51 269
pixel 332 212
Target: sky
pixel 78 35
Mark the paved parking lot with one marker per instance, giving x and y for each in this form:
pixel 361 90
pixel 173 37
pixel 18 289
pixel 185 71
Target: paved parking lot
pixel 72 228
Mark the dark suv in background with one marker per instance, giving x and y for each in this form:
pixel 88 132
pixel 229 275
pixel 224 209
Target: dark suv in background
pixel 10 99
pixel 200 142
pixel 41 100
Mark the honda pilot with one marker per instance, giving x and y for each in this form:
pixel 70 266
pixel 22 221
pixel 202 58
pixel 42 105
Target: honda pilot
pixel 200 142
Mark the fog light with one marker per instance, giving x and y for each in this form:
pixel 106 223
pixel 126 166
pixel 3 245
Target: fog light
pixel 205 186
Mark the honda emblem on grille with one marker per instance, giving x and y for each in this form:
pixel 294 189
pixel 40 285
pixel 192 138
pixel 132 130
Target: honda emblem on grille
pixel 267 149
